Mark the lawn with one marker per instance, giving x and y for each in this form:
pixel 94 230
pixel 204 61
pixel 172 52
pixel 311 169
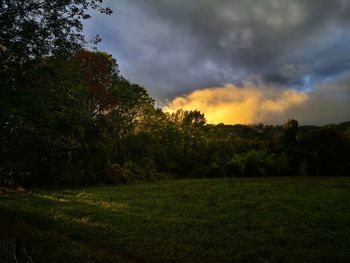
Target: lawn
pixel 210 220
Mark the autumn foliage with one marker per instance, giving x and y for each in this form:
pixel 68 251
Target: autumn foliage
pixel 97 70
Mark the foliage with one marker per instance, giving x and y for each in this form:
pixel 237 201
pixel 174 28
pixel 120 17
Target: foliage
pixel 34 29
pixel 65 128
pixel 68 117
pixel 326 152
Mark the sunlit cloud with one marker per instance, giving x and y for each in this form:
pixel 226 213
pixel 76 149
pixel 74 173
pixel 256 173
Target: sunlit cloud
pixel 254 103
pixel 248 104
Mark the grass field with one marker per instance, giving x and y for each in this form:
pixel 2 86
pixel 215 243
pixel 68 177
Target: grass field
pixel 210 220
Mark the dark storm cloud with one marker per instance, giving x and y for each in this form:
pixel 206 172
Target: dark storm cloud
pixel 173 47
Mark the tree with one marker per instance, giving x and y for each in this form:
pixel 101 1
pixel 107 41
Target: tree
pixel 39 28
pixel 34 29
pixel 325 151
pixel 97 71
pixel 290 130
pixel 42 119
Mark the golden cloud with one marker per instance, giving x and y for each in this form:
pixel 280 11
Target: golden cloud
pixel 245 105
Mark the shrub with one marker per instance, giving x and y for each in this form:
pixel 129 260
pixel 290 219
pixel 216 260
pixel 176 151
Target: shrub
pixel 278 165
pixel 257 163
pixel 117 174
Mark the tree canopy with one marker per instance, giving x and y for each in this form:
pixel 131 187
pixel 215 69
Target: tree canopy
pixel 68 116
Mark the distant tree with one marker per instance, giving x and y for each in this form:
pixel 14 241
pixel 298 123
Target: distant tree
pixel 326 152
pixel 288 143
pixel 290 130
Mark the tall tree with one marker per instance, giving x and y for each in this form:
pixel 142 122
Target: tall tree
pixel 39 89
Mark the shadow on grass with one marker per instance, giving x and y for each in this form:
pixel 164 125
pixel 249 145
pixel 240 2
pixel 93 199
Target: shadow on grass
pixel 50 235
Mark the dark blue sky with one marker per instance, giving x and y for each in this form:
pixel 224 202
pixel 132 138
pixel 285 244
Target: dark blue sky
pixel 175 47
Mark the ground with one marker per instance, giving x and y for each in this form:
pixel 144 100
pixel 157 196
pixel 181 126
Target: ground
pixel 293 219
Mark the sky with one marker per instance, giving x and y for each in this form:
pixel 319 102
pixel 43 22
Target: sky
pixel 238 61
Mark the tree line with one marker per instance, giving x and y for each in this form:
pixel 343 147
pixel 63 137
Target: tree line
pixel 69 117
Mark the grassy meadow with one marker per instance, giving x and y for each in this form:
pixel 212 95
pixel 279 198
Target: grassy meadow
pixel 289 219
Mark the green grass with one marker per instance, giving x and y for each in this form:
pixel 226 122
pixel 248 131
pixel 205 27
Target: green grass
pixel 215 220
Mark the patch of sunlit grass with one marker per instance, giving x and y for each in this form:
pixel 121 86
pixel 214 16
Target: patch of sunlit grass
pixel 84 196
pixel 58 198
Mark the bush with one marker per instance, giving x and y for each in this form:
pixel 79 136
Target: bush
pixel 278 165
pixel 241 164
pixel 118 174
pixel 258 163
pixel 148 171
pixel 131 172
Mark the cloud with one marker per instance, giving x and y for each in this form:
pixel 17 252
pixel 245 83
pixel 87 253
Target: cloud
pixel 246 105
pixel 252 103
pixel 328 103
pixel 174 47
